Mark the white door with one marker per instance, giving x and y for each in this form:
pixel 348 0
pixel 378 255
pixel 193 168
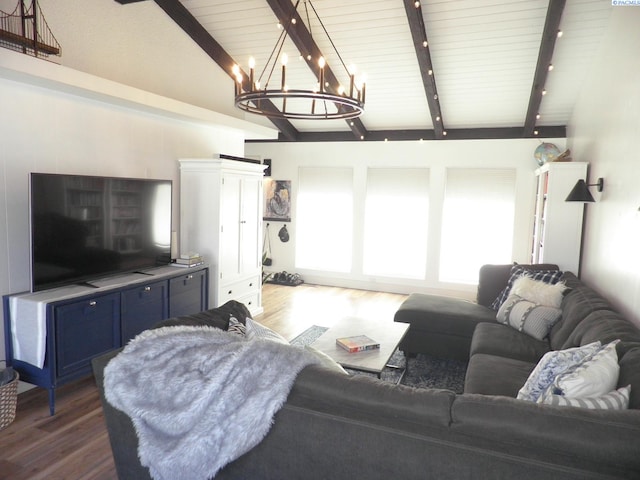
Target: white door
pixel 230 200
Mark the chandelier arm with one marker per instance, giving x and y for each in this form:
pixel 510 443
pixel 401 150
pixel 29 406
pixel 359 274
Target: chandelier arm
pixel 328 36
pixel 280 42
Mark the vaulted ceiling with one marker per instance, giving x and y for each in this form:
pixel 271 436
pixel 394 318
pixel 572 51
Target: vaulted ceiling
pixel 484 72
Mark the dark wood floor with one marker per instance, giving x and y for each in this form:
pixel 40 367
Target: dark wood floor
pixel 73 444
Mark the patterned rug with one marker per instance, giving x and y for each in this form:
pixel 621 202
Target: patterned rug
pixel 424 371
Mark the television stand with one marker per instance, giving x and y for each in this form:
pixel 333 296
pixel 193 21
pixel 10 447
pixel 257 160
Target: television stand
pixel 61 330
pixel 87 284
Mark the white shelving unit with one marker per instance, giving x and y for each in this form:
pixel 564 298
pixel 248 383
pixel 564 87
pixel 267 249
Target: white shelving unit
pixel 221 218
pixel 557 231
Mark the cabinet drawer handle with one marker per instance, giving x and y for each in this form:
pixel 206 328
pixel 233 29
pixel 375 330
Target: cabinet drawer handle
pixel 251 284
pixel 189 277
pixel 230 292
pixel 147 289
pixel 93 303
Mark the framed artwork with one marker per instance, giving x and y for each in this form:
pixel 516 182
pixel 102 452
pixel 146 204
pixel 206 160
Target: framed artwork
pixel 277 200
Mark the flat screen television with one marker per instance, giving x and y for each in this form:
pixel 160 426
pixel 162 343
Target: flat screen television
pixel 87 227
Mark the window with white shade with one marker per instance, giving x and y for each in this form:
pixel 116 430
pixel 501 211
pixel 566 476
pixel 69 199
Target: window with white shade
pixel 477 221
pixel 395 222
pixel 324 219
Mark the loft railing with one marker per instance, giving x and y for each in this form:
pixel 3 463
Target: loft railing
pixel 26 30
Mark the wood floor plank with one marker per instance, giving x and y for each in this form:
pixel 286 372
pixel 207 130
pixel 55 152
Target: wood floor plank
pixel 74 445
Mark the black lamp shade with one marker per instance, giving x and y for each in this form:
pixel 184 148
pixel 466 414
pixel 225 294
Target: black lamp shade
pixel 580 193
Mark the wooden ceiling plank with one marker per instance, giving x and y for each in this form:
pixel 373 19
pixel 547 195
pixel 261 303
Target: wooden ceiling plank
pixel 545 55
pixel 419 35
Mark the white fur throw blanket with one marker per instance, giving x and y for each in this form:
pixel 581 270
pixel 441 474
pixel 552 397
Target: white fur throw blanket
pixel 200 397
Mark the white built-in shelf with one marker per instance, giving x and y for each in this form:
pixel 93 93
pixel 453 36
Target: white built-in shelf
pixel 23 68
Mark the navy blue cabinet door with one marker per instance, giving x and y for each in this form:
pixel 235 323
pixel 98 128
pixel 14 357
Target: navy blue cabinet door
pixel 143 307
pixel 188 293
pixel 85 329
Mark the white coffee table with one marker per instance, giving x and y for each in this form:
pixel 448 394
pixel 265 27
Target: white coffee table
pixel 388 334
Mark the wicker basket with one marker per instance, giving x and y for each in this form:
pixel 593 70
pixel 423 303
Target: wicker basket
pixel 8 402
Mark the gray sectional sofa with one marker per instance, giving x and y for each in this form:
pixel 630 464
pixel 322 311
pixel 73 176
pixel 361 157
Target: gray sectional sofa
pixel 343 427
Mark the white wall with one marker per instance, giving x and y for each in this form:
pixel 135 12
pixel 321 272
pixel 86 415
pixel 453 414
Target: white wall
pixel 287 158
pixel 49 125
pixel 605 131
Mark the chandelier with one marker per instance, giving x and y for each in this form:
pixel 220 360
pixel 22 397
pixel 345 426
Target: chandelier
pixel 323 101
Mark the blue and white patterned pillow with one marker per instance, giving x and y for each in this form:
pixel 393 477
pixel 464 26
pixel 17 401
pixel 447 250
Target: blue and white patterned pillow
pixel 547 276
pixel 553 364
pixel 593 377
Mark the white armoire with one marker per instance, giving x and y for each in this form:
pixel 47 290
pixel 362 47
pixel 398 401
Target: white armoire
pixel 221 219
pixel 557 232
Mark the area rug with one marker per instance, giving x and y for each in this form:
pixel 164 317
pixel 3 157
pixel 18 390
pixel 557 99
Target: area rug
pixel 424 371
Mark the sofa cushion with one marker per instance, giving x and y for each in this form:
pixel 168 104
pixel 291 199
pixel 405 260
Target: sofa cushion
pixel 441 314
pixel 578 303
pixel 494 375
pixel 503 341
pixel 528 317
pixel 630 374
pixel 591 438
pixel 614 400
pixel 550 366
pixel 517 271
pixel 606 326
pixel 440 326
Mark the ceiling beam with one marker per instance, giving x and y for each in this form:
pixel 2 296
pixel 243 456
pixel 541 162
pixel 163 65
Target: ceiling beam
pixel 310 52
pixel 183 18
pixel 498 133
pixel 421 46
pixel 547 45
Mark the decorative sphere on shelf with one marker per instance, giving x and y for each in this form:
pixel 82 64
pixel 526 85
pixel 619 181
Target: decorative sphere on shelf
pixel 546 152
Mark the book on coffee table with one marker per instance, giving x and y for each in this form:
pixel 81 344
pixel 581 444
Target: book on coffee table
pixel 357 343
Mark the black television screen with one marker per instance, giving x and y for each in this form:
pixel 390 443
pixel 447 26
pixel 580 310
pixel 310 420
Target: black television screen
pixel 87 227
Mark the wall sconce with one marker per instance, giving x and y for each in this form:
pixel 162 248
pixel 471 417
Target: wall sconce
pixel 581 193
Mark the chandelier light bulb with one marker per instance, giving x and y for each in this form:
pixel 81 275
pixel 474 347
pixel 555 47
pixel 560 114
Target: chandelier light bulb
pixel 417 4
pixel 559 34
pixel 340 90
pixel 425 44
pixel 252 62
pixel 235 70
pixel 550 67
pixel 321 62
pixel 284 59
